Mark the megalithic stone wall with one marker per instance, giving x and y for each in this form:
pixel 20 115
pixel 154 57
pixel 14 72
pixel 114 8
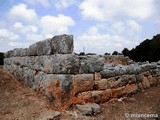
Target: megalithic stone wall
pixel 50 68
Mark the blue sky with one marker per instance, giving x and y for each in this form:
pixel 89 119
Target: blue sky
pixel 98 25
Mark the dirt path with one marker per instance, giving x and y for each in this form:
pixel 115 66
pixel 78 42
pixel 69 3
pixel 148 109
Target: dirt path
pixel 18 102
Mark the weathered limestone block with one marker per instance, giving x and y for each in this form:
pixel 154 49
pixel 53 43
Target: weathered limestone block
pixel 155 72
pixel 88 109
pixel 59 88
pixel 93 96
pixel 83 97
pixel 153 80
pixel 145 67
pixel 16 52
pixel 107 73
pixel 61 64
pixel 120 70
pixel 7 61
pixel 97 76
pixel 49 115
pixel 44 47
pixel 105 83
pixel 32 50
pixel 158 63
pixel 19 73
pixel 37 63
pixel 117 59
pixel 17 60
pixel 59 44
pixel 24 52
pixel 125 90
pixel 96 96
pixel 101 95
pixel 134 69
pixel 28 76
pixel 39 76
pixel 83 82
pixel 145 80
pixel 9 54
pixel 115 82
pixel 153 65
pixel 109 66
pixel 23 61
pixel 91 63
pixel 62 44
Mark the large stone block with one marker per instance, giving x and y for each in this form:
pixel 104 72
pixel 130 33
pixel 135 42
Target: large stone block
pixel 89 109
pixel 83 82
pixel 101 95
pixel 97 76
pixel 9 54
pixel 125 90
pixel 93 96
pixel 59 44
pixel 62 44
pixel 59 89
pixel 145 79
pixel 145 67
pixel 24 52
pixel 91 63
pixel 115 82
pixel 28 76
pixel 108 73
pixel 83 97
pixel 7 61
pixel 32 50
pixel 105 83
pixel 134 69
pixel 120 70
pixel 61 64
pixel 44 47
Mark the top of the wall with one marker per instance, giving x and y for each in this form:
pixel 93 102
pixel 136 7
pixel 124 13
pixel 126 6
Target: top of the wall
pixel 59 44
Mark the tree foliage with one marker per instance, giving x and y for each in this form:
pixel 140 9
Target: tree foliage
pixel 148 50
pixel 1 58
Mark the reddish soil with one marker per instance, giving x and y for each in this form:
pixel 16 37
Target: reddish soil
pixel 18 102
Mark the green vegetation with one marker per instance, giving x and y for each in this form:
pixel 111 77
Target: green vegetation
pixel 1 58
pixel 148 50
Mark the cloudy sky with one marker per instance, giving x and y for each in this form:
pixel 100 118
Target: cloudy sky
pixel 97 25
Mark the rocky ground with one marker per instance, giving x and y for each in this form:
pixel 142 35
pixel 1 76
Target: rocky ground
pixel 18 102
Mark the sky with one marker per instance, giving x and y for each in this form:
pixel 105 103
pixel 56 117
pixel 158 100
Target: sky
pixel 98 26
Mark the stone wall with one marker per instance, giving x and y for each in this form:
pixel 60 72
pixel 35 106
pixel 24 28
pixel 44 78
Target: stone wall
pixel 50 68
pixel 118 59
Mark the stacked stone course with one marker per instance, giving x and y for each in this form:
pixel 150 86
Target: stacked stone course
pixel 50 68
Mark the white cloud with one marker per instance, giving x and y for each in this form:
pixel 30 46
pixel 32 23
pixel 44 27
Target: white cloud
pixel 34 37
pixel 158 21
pixel 21 11
pixel 133 25
pixel 25 29
pixel 104 10
pixel 44 3
pixel 15 44
pixel 56 25
pixel 6 35
pixel 94 40
pixel 2 24
pixel 117 27
pixel 62 4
